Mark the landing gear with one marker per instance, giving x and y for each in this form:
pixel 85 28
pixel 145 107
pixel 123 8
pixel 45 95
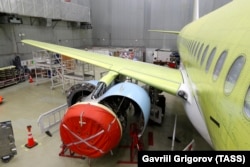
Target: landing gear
pixel 158 105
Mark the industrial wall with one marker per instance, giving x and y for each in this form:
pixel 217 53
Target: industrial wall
pixel 126 22
pixel 71 10
pixel 62 34
pixel 56 21
pixel 115 23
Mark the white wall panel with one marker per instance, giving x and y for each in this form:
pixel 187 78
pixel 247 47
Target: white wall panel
pixel 52 9
pixel 28 8
pixel 57 10
pixel 1 6
pixel 16 6
pixel 5 6
pixel 38 8
pixel 73 10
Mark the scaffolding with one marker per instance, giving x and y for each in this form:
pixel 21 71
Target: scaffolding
pixel 60 71
pixel 76 72
pixel 48 67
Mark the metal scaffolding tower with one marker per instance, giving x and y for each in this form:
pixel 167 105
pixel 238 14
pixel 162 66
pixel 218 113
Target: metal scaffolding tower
pixel 48 67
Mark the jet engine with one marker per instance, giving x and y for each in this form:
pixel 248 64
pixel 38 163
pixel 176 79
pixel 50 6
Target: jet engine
pixel 98 115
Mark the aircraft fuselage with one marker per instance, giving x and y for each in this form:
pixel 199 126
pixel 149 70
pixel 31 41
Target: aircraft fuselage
pixel 215 54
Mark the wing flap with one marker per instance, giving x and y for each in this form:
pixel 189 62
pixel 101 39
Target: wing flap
pixel 163 78
pixel 165 84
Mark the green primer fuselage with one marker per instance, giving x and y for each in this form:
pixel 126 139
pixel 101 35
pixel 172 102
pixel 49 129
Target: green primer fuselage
pixel 228 30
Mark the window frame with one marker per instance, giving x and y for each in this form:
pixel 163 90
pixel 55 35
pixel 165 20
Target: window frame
pixel 200 51
pixel 247 113
pixel 196 49
pixel 226 82
pixel 204 54
pixel 210 58
pixel 219 64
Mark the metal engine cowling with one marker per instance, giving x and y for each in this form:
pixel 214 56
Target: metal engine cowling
pixel 121 95
pixel 94 127
pixel 78 92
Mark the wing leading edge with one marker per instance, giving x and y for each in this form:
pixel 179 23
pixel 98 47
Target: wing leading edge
pixel 163 78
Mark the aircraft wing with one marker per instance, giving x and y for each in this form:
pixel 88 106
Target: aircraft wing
pixel 163 78
pixel 164 31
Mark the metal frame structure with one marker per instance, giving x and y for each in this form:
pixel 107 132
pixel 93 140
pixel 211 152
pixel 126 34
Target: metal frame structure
pixel 50 119
pixel 48 67
pixel 76 72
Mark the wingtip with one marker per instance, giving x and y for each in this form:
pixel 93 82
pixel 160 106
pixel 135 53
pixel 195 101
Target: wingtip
pixel 25 40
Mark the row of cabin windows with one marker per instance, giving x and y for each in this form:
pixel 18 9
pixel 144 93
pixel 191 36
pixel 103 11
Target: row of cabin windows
pixel 196 49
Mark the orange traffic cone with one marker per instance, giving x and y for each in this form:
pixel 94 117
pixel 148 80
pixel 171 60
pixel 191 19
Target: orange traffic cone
pixel 31 143
pixel 1 99
pixel 30 79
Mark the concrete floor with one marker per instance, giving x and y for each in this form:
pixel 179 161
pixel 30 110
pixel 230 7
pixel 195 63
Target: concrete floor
pixel 24 102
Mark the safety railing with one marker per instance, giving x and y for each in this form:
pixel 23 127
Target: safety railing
pixel 50 119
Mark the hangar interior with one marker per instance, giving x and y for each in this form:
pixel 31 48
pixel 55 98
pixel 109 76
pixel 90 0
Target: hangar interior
pixel 110 27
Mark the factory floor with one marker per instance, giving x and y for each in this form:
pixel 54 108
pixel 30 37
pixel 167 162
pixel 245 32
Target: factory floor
pixel 25 102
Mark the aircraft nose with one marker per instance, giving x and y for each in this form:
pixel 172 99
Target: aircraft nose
pixel 90 129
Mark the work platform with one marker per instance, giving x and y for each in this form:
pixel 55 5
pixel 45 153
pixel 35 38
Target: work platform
pixel 48 67
pixel 60 71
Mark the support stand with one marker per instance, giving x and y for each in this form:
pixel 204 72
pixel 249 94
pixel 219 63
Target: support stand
pixel 66 152
pixel 136 143
pixel 135 146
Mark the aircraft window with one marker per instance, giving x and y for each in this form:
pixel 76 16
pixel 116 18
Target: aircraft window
pixel 196 49
pixel 209 61
pixel 219 64
pixel 233 74
pixel 189 45
pixel 247 103
pixel 193 48
pixel 204 54
pixel 198 56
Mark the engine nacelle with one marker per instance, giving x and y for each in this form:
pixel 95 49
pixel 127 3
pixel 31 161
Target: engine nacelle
pixel 90 129
pixel 119 98
pixel 93 127
pixel 79 92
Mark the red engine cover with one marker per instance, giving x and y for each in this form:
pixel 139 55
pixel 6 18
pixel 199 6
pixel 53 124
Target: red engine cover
pixel 90 129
